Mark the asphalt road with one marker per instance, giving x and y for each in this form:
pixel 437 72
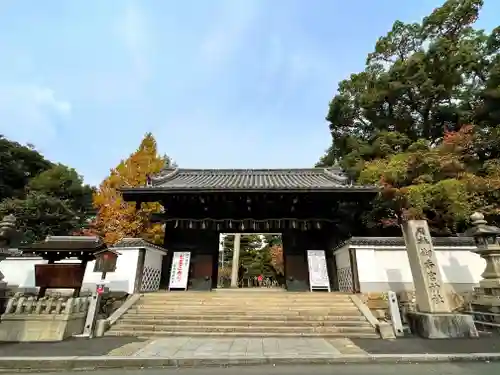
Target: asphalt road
pixel 478 368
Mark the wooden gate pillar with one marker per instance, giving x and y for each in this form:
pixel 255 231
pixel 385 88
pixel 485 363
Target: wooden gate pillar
pixel 295 259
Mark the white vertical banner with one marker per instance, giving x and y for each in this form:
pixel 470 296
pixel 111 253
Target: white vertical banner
pixel 179 272
pixel 318 272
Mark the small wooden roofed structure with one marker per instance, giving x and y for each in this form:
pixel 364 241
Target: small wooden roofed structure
pixel 63 275
pixel 55 248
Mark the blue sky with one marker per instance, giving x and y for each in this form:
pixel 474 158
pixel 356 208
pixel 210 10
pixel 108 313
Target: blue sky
pixel 220 83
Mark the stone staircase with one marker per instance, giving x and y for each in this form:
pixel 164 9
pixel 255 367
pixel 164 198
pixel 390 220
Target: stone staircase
pixel 244 312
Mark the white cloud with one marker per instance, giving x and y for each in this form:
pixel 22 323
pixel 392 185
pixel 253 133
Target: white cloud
pixel 29 113
pixel 133 30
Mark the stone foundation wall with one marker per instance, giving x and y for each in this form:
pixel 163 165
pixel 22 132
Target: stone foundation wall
pixel 379 305
pixel 27 319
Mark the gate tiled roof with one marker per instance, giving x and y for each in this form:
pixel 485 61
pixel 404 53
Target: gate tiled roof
pixel 254 179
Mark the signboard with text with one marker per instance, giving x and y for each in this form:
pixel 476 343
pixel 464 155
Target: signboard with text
pixel 318 272
pixel 179 272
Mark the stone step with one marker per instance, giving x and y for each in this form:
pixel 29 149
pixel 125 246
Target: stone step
pixel 245 303
pixel 250 312
pixel 244 314
pixel 245 300
pixel 221 293
pixel 270 296
pixel 244 317
pixel 298 330
pixel 227 312
pixel 259 306
pixel 256 306
pixel 286 295
pixel 241 323
pixel 148 334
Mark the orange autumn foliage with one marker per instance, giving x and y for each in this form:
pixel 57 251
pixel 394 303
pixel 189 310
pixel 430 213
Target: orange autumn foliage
pixel 276 252
pixel 116 218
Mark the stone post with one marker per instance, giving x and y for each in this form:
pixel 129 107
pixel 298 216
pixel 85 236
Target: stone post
pixel 433 318
pixel 236 260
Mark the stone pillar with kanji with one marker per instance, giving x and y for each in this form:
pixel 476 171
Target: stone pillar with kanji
pixel 433 318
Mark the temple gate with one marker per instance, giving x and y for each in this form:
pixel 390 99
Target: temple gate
pixel 305 205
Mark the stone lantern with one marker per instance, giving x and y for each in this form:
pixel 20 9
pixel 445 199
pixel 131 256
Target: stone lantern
pixel 487 238
pixel 8 233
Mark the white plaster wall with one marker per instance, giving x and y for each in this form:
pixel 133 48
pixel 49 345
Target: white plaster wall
pixel 123 279
pixel 389 269
pixel 342 259
pixel 21 272
pixel 152 270
pixel 153 259
pixel 368 270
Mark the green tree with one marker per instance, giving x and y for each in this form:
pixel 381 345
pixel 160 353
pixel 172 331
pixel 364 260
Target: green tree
pixel 392 123
pixel 248 243
pixel 65 183
pixel 57 202
pixel 251 255
pixel 18 164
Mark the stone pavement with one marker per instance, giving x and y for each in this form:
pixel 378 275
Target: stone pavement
pixel 192 347
pixel 178 347
pixel 131 353
pixel 477 368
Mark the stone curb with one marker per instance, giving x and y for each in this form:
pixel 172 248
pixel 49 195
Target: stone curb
pixel 24 364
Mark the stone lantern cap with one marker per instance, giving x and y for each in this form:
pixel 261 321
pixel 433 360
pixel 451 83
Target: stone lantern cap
pixel 480 227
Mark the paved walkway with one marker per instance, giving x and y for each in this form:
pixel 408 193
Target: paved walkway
pixel 206 347
pixel 131 353
pixel 349 369
pixel 190 347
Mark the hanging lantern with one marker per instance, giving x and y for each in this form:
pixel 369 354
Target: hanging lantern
pixel 230 225
pixel 294 225
pixel 242 227
pixel 318 225
pixel 218 226
pixel 176 224
pixel 203 225
pixel 190 224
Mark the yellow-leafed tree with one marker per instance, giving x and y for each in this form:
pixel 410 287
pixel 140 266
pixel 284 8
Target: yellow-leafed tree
pixel 116 218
